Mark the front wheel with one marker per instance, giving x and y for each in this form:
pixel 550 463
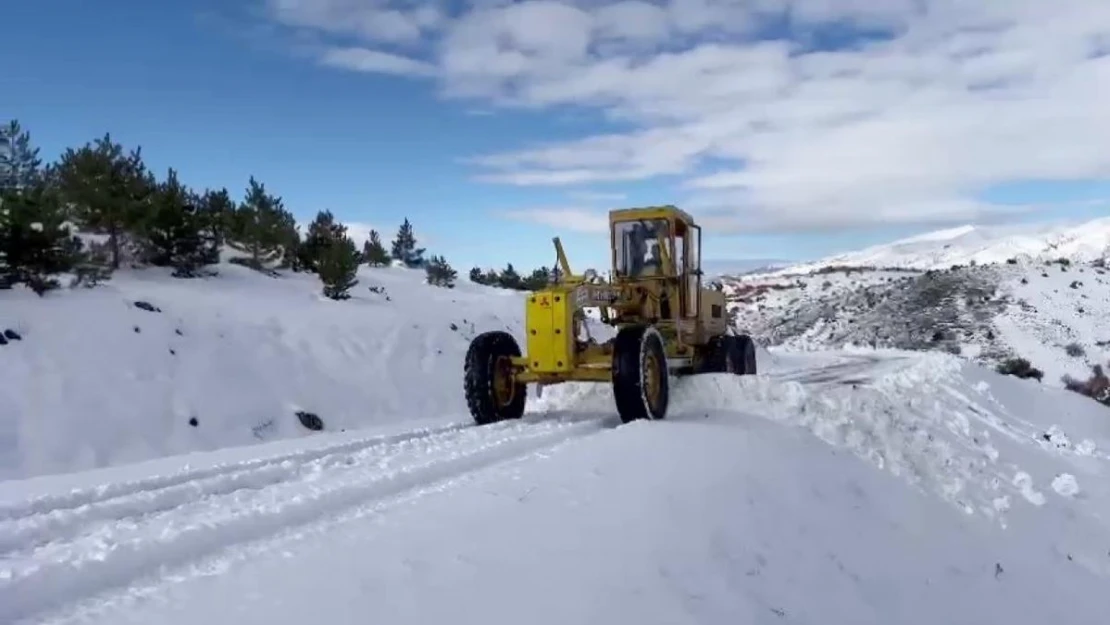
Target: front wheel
pixel 492 392
pixel 641 381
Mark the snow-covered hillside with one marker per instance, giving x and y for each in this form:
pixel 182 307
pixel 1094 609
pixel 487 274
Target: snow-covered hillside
pixel 977 244
pixel 1008 301
pixel 98 380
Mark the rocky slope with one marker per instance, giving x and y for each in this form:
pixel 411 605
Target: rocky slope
pixel 1052 312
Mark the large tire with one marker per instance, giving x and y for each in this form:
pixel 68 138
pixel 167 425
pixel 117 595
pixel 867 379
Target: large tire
pixel 492 393
pixel 745 355
pixel 641 382
pixel 715 355
pixel 730 354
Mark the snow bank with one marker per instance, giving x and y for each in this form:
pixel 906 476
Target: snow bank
pixel 990 445
pixel 97 381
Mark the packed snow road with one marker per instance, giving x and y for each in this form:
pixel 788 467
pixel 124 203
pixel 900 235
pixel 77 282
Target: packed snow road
pixel 84 541
pixel 715 515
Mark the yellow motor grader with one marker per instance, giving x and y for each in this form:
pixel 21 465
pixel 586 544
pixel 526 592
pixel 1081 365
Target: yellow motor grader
pixel 667 324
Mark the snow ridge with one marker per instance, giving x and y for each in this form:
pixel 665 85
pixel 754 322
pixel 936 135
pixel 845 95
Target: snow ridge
pixel 976 244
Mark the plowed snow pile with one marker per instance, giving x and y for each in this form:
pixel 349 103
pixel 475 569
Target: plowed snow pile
pixel 990 445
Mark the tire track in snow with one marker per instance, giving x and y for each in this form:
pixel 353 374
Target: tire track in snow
pixel 854 369
pixel 114 541
pixel 52 504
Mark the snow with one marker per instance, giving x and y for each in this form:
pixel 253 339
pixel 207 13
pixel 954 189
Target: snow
pixel 849 485
pixel 1054 307
pixel 980 244
pixel 1048 313
pixel 97 381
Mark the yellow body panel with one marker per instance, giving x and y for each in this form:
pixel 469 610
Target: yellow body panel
pixel 548 322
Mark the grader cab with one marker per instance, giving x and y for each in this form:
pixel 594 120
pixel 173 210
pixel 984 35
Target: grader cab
pixel 667 324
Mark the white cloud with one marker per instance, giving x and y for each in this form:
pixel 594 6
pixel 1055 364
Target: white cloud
pixel 597 196
pixel 573 219
pixel 907 128
pixel 366 60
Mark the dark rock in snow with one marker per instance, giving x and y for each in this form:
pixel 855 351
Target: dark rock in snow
pixel 12 335
pixel 147 306
pixel 310 420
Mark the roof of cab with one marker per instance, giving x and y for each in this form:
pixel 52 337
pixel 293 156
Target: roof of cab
pixel 650 212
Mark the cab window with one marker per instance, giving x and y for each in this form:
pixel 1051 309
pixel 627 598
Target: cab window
pixel 638 247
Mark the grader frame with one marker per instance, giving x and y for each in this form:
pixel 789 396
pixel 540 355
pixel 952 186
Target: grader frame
pixel 667 324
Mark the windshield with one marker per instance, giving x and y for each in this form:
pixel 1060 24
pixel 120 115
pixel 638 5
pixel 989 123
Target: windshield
pixel 637 247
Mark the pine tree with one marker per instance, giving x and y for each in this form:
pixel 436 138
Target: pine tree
pixel 289 235
pixel 7 276
pixel 19 160
pixel 175 230
pixel 109 190
pixel 440 273
pixel 509 278
pixel 39 242
pixel 476 276
pixel 538 280
pixel 373 252
pixel 35 239
pixel 12 141
pixel 322 232
pixel 404 247
pixel 338 267
pixel 260 226
pixel 216 209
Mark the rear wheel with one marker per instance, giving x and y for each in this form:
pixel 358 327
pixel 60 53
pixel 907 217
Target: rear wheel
pixel 730 354
pixel 492 392
pixel 745 355
pixel 641 382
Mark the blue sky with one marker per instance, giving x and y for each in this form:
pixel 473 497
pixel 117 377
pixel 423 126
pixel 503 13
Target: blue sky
pixel 222 91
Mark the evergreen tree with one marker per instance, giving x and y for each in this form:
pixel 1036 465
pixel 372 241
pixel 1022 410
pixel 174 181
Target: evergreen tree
pixel 110 191
pixel 39 242
pixel 440 273
pixel 338 267
pixel 175 230
pixel 538 280
pixel 216 209
pixel 35 239
pixel 476 276
pixel 509 278
pixel 322 232
pixel 492 278
pixel 289 235
pixel 260 226
pixel 7 277
pixel 373 252
pixel 404 247
pixel 19 160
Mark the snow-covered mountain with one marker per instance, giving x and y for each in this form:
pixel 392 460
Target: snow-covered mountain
pixel 740 266
pixel 964 245
pixel 158 472
pixel 991 294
